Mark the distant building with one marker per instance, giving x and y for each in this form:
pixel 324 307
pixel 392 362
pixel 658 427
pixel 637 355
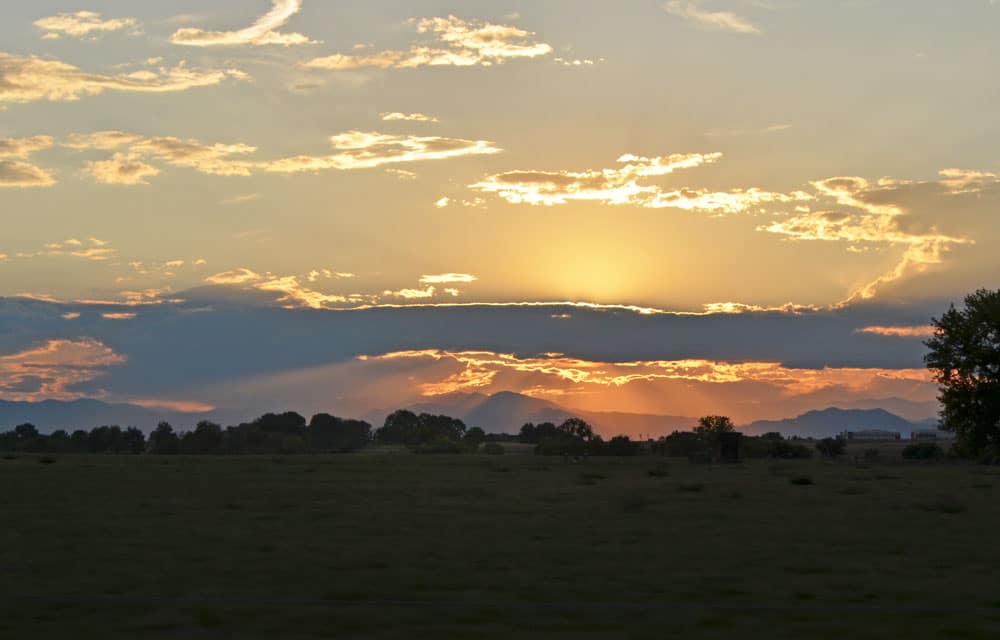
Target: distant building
pixel 931 434
pixel 870 435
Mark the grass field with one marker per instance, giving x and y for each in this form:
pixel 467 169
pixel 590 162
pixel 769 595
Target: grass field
pixel 403 546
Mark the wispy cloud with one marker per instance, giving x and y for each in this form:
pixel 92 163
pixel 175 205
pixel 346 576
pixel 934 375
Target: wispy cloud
pixel 626 185
pixel 711 20
pixel 261 32
pixel 391 116
pixel 920 331
pixel 81 24
pixel 241 199
pixel 354 150
pixel 29 78
pixel 448 278
pixel 455 42
pixel 724 133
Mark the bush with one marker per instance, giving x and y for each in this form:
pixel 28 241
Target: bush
pixel 831 447
pixel 801 480
pixel 787 450
pixel 923 451
pixel 493 449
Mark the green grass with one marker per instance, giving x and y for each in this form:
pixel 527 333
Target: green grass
pixel 402 546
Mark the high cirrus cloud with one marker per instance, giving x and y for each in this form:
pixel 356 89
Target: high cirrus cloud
pixel 888 213
pixel 261 32
pixel 454 42
pixel 81 24
pixel 710 20
pixel 29 78
pixel 353 150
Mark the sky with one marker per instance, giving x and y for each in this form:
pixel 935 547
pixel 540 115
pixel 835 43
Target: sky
pixel 747 207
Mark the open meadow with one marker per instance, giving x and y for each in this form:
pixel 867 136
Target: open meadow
pixel 393 545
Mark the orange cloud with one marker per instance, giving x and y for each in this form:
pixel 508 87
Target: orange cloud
pixel 51 370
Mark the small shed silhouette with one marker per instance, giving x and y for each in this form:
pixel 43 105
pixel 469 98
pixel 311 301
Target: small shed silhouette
pixel 730 447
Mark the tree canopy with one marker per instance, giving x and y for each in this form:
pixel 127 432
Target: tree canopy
pixel 965 358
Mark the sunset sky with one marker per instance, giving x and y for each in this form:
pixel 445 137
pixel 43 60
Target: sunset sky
pixel 748 207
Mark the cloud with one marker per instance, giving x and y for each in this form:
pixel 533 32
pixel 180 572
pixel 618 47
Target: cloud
pixel 920 331
pixel 710 20
pixel 411 294
pixel 121 169
pixel 27 79
pixel 684 387
pixel 81 24
pixel 625 186
pixel 455 42
pixel 261 32
pixel 364 150
pixel 353 150
pixel 236 276
pixel 242 199
pixel 407 117
pixel 51 370
pixel 23 174
pixel 881 217
pixel 722 133
pixel 448 278
pixel 118 316
pixel 24 147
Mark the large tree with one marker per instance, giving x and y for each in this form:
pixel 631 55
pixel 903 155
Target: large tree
pixel 965 358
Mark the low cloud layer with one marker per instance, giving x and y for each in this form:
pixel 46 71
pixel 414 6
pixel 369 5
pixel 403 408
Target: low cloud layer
pixel 453 42
pixel 261 32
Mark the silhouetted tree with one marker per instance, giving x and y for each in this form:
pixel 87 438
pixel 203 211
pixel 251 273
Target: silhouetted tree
pixel 405 427
pixel 207 438
pixel 329 433
pixel 621 446
pixel 163 440
pixel 709 427
pixel 474 437
pixel 965 358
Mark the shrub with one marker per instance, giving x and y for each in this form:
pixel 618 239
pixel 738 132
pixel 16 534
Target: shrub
pixel 831 447
pixel 493 449
pixel 943 504
pixel 691 487
pixel 801 480
pixel 923 451
pixel 47 460
pixel 659 472
pixel 787 450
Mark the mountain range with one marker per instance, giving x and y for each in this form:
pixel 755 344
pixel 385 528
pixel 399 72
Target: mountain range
pixel 502 412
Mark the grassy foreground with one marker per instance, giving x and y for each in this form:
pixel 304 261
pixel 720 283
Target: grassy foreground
pixel 398 546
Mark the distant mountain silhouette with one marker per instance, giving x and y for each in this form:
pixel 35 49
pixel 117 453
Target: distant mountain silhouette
pixel 827 423
pixel 507 411
pixel 49 415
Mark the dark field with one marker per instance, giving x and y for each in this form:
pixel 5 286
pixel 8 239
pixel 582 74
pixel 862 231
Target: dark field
pixel 403 546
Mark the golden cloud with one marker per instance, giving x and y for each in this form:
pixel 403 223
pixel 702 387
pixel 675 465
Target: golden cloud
pixel 27 79
pixel 448 278
pixel 261 32
pixel 121 169
pixel 354 150
pixel 23 147
pixel 406 117
pixel 456 42
pixel 81 24
pixel 23 174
